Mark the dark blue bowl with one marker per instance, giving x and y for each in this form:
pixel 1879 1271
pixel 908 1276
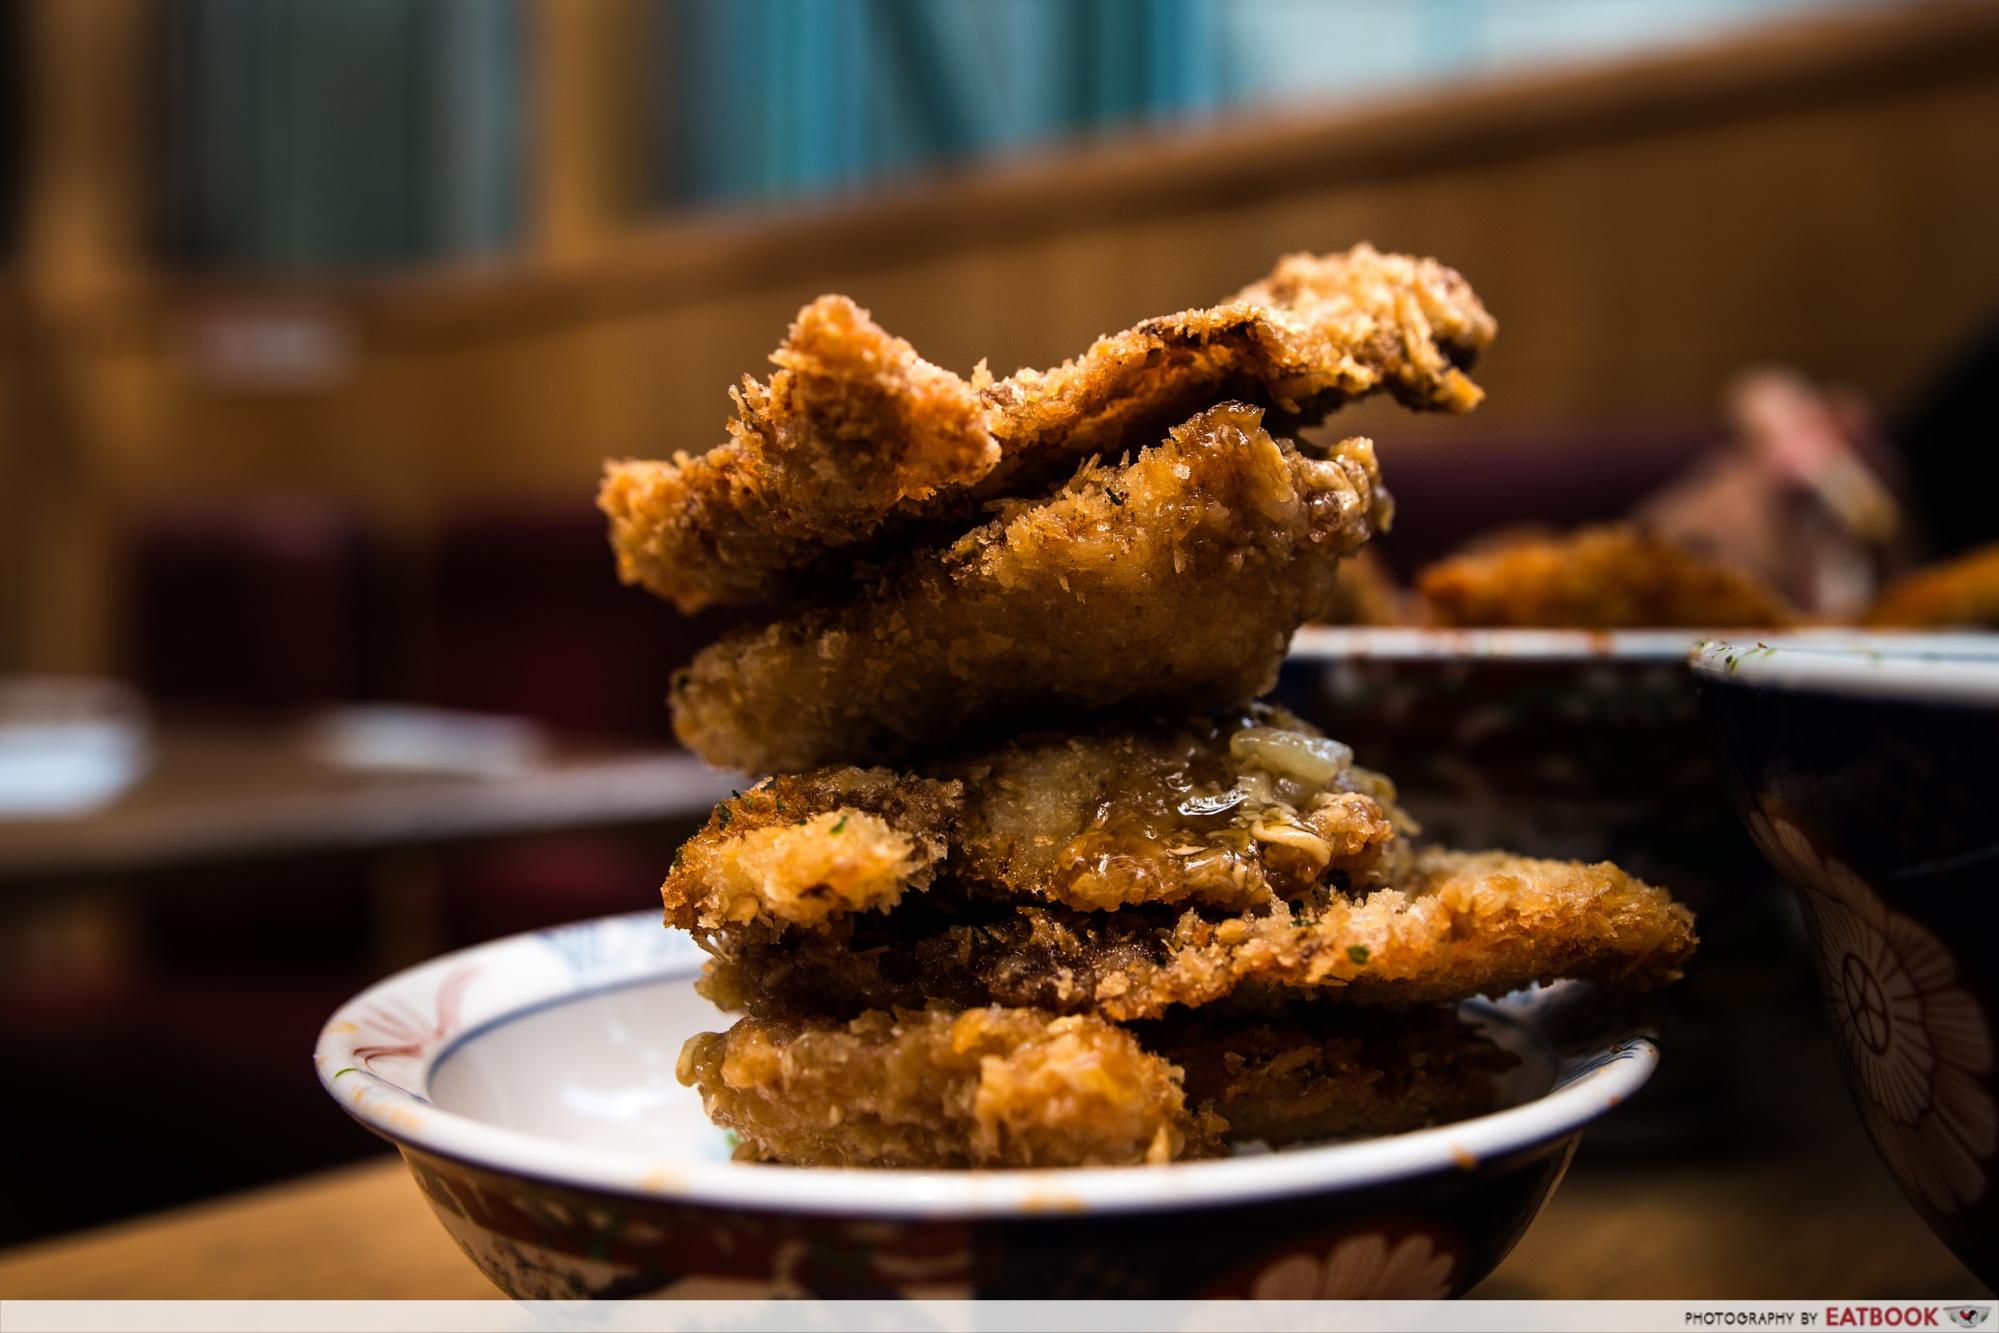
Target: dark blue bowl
pixel 1867 771
pixel 1588 746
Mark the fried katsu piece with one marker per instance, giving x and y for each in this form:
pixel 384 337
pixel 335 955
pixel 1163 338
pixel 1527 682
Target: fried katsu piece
pixel 1322 1073
pixel 1231 811
pixel 1458 924
pixel 1228 810
pixel 856 440
pixel 1607 577
pixel 1174 581
pixel 851 425
pixel 987 1087
pixel 799 849
pixel 1318 332
pixel 1964 591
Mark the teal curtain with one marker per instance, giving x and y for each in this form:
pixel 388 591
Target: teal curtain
pixel 771 98
pixel 342 132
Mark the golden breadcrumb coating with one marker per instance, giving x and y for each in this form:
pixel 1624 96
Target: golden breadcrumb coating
pixel 1172 582
pixel 856 440
pixel 1607 577
pixel 1319 1073
pixel 1964 591
pixel 936 962
pixel 799 849
pixel 1318 332
pixel 1459 924
pixel 987 1087
pixel 1229 810
pixel 852 424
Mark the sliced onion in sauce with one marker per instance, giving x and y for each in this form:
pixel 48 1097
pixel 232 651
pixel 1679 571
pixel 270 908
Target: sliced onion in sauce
pixel 1317 760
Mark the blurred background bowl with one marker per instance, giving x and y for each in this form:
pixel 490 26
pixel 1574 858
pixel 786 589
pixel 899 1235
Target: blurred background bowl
pixel 1866 773
pixel 1588 745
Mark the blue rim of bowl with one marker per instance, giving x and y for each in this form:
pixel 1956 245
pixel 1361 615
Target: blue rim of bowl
pixel 1918 667
pixel 1589 1083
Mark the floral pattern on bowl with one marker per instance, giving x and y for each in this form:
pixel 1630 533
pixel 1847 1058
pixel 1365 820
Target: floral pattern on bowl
pixel 1917 1042
pixel 1865 776
pixel 1362 1266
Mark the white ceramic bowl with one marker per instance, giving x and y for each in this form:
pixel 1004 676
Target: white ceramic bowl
pixel 530 1084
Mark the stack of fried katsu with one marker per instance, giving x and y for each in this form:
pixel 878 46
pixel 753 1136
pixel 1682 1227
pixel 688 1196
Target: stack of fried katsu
pixel 1039 882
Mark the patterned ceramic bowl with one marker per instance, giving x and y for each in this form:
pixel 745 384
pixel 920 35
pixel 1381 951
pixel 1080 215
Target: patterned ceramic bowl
pixel 1589 745
pixel 1869 776
pixel 1582 744
pixel 530 1085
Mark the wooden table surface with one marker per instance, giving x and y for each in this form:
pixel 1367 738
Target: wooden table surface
pixel 1794 1230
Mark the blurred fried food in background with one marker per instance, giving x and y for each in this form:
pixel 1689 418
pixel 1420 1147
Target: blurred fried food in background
pixel 1612 576
pixel 1964 592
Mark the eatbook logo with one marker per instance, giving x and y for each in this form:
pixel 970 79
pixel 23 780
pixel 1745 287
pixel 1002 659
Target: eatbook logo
pixel 1970 1316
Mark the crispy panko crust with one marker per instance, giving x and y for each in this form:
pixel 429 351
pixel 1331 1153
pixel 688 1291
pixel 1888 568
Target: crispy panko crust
pixel 1174 581
pixel 1231 811
pixel 1610 576
pixel 856 440
pixel 802 848
pixel 1459 924
pixel 1318 332
pixel 1320 1073
pixel 1964 591
pixel 851 425
pixel 988 1087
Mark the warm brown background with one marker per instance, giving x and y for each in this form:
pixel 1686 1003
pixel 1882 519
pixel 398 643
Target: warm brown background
pixel 1822 194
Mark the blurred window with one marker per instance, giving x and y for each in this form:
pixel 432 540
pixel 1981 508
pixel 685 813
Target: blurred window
pixel 327 132
pixel 764 99
pixel 317 132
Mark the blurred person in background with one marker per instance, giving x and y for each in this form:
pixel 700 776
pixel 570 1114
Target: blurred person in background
pixel 1795 493
pixel 1812 494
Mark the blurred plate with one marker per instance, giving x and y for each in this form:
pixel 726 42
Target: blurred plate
pixel 68 745
pixel 412 738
